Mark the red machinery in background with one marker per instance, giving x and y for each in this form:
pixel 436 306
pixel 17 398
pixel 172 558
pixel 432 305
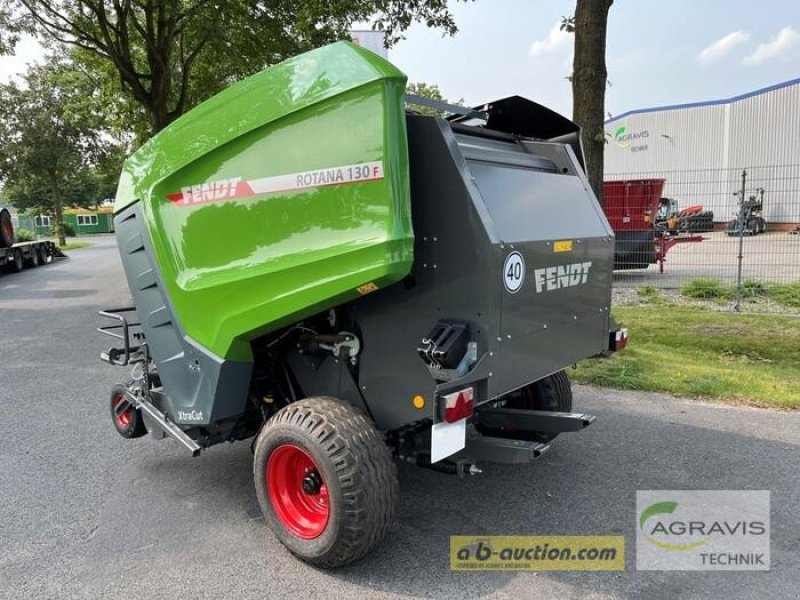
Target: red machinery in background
pixel 631 206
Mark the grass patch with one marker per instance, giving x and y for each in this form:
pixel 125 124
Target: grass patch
pixel 787 294
pixel 75 245
pixel 750 359
pixel 784 294
pixel 648 294
pixel 706 289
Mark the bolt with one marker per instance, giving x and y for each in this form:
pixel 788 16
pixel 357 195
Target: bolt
pixel 508 336
pixel 490 373
pixel 473 470
pixel 545 326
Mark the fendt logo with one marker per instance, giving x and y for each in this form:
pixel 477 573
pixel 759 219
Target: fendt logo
pixel 555 278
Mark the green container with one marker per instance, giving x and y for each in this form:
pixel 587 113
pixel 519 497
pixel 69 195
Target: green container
pixel 282 196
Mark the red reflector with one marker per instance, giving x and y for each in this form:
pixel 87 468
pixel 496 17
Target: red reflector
pixel 458 405
pixel 620 339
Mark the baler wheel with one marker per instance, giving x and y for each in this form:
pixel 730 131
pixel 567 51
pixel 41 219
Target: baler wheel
pixel 325 480
pixel 551 393
pixel 127 420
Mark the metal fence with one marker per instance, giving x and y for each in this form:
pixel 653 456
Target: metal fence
pixel 725 238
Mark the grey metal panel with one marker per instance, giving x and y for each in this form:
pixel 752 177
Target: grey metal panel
pixel 325 376
pixel 497 151
pixel 195 380
pixel 461 224
pixel 526 204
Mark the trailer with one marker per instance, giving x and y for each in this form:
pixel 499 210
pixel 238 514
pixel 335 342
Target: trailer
pixel 15 256
pixel 643 234
pixel 349 284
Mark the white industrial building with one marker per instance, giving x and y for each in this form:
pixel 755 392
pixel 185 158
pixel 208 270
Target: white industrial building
pixel 701 149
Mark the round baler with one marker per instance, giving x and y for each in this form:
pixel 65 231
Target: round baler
pixel 354 284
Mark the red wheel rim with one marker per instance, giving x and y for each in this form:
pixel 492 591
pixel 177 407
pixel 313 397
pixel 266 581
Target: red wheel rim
pixel 125 417
pixel 297 492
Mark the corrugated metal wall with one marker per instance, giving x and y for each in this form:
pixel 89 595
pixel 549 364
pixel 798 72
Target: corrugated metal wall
pixel 701 150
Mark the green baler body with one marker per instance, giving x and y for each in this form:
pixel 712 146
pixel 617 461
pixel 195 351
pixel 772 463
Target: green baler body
pixel 284 195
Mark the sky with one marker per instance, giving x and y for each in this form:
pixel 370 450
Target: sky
pixel 659 51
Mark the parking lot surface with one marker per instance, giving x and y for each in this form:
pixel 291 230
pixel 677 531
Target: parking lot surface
pixel 86 514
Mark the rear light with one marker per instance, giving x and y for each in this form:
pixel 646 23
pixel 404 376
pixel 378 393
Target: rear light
pixel 619 339
pixel 457 405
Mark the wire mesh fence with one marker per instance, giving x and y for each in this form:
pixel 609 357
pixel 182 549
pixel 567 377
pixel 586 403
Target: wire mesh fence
pixel 729 238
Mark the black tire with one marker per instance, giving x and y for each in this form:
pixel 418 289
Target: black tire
pixel 17 263
pixel 127 420
pixel 351 461
pixel 553 393
pixel 36 259
pixel 6 229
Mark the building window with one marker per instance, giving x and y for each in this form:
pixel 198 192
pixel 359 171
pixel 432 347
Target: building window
pixel 41 221
pixel 86 220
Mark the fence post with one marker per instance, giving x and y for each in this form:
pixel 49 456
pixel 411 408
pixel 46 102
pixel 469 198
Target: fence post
pixel 740 226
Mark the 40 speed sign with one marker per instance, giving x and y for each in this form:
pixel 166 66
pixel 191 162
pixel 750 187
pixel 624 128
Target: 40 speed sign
pixel 514 272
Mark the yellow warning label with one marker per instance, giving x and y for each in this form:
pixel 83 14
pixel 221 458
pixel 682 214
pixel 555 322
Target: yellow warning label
pixel 562 246
pixel 367 288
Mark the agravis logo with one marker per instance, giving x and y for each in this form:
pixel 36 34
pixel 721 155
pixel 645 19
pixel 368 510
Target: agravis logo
pixel 702 529
pixel 624 138
pixel 660 508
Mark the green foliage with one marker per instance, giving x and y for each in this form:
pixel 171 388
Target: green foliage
pixel 431 91
pixel 706 288
pixel 753 359
pixel 52 145
pixel 24 235
pixel 154 60
pixel 69 230
pixel 787 294
pixel 752 289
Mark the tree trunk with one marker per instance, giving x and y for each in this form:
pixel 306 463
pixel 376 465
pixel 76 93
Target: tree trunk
pixel 589 78
pixel 55 190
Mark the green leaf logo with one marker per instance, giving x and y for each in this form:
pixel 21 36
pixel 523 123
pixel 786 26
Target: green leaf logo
pixel 660 508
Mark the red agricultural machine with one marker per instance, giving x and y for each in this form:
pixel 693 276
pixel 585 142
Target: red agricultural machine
pixel 647 226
